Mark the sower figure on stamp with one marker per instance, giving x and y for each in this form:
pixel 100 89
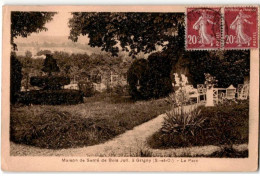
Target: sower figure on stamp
pixel 238 25
pixel 201 26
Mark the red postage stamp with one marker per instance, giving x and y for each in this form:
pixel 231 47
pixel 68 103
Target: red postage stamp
pixel 203 28
pixel 241 27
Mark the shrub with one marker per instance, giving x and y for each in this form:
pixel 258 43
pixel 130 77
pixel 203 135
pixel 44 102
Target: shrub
pixel 121 90
pixel 152 75
pixel 49 82
pixel 16 78
pixel 135 76
pixel 156 81
pixel 87 88
pixel 51 97
pixel 156 87
pixel 50 65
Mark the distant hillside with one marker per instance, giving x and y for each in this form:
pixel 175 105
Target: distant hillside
pixel 53 43
pixel 37 43
pixel 49 39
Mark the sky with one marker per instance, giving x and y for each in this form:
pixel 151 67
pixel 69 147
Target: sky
pixel 58 26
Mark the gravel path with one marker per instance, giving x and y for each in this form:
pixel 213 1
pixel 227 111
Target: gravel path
pixel 130 143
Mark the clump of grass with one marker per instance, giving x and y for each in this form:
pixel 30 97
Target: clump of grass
pixel 93 122
pixel 221 125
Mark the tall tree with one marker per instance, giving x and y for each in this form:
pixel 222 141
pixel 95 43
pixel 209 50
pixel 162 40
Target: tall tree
pixel 25 23
pixel 16 78
pixel 132 32
pixel 229 67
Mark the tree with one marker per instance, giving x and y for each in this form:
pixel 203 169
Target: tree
pixel 133 32
pixel 229 67
pixel 50 65
pixel 16 78
pixel 25 23
pixel 28 54
pixel 157 80
pixel 233 68
pixel 150 78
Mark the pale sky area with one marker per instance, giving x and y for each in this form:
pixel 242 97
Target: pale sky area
pixel 58 26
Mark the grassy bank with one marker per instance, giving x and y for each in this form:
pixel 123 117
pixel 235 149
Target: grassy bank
pixel 97 120
pixel 225 124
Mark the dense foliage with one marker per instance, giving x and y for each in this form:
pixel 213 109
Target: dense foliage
pixel 150 78
pixel 16 78
pixel 49 82
pixel 157 81
pixel 228 67
pixel 133 32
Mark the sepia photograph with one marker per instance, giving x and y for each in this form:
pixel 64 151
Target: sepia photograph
pixel 142 84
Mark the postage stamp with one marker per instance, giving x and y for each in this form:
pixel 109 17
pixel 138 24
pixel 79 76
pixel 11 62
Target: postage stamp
pixel 240 27
pixel 203 28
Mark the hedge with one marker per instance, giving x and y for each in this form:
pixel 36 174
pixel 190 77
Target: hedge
pixel 49 82
pixel 51 97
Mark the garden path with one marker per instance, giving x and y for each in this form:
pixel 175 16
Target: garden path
pixel 130 143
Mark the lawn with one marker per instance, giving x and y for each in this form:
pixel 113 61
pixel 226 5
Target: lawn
pixel 225 124
pixel 97 120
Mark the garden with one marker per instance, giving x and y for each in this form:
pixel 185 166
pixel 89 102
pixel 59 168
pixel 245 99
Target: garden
pixel 171 99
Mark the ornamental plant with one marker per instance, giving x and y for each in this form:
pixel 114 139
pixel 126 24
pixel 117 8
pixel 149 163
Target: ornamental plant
pixel 210 80
pixel 180 97
pixel 181 123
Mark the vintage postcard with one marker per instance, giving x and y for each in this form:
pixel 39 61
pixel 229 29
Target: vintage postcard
pixel 130 88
